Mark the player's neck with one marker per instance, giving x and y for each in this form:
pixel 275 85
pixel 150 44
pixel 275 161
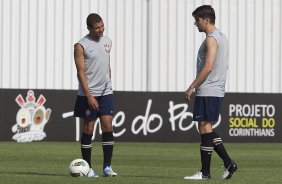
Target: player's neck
pixel 210 29
pixel 94 37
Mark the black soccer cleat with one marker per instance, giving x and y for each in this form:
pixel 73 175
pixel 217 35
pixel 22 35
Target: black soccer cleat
pixel 228 172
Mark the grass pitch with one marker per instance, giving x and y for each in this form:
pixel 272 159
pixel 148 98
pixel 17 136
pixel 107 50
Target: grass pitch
pixel 137 163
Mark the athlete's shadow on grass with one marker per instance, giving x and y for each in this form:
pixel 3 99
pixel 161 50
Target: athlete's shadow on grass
pixel 49 174
pixel 152 177
pixel 35 174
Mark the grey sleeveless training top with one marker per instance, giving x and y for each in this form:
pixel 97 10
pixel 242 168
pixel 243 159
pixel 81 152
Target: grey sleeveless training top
pixel 97 65
pixel 214 84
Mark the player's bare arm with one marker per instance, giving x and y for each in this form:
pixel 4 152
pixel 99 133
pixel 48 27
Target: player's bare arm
pixel 211 49
pixel 80 67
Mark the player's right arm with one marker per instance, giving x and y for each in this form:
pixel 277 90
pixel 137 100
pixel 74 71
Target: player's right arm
pixel 81 75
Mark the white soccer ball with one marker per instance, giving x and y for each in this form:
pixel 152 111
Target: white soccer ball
pixel 79 168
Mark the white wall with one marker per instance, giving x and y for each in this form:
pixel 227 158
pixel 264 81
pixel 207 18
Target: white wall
pixel 155 42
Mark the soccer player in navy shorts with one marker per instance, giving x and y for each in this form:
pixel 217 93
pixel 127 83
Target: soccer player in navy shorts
pixel 212 63
pixel 95 95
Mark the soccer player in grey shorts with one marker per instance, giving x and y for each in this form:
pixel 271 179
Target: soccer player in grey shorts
pixel 94 99
pixel 212 62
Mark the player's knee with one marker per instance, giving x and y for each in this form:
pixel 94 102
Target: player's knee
pixel 201 129
pixel 204 127
pixel 88 130
pixel 107 127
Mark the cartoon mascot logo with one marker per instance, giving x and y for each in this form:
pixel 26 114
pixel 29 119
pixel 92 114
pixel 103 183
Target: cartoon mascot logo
pixel 31 118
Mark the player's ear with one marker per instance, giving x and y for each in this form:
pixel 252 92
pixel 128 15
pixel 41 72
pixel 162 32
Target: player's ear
pixel 89 27
pixel 207 20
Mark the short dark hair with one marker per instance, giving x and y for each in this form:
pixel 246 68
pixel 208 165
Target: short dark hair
pixel 92 19
pixel 205 11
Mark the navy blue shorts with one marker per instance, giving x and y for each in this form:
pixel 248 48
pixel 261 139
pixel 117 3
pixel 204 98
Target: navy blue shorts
pixel 207 108
pixel 83 110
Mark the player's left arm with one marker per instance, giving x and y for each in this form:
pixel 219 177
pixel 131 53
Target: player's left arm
pixel 211 50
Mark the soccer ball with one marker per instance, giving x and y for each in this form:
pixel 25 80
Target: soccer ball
pixel 79 168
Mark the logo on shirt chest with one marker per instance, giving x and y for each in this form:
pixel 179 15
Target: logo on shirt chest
pixel 107 47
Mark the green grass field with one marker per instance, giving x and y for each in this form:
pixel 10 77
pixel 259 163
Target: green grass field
pixel 140 163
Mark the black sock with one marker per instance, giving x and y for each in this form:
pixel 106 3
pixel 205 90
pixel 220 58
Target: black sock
pixel 108 144
pixel 86 147
pixel 206 152
pixel 220 150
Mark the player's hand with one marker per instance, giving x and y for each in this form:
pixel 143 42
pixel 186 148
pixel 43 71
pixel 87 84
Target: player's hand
pixel 188 93
pixel 92 102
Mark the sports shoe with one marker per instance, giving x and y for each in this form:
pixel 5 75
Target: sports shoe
pixel 108 171
pixel 92 174
pixel 197 176
pixel 227 172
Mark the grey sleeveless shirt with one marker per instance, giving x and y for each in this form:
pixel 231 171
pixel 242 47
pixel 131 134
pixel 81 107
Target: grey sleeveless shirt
pixel 214 84
pixel 97 66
